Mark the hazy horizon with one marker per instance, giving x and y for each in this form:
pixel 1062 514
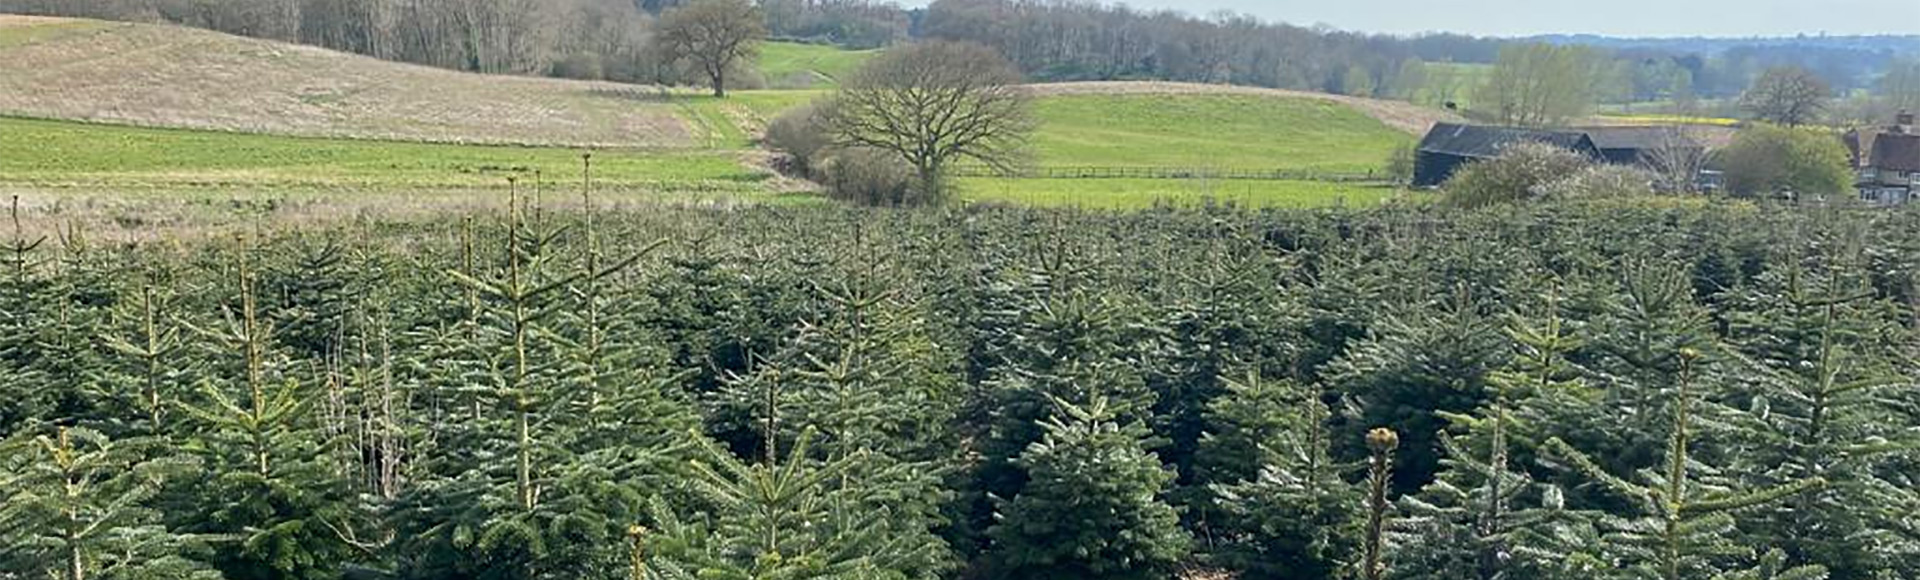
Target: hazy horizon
pixel 1622 18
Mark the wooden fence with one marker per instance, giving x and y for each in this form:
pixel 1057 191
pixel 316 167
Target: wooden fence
pixel 1137 172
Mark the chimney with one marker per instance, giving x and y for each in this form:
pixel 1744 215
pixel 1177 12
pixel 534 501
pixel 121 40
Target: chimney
pixel 1904 122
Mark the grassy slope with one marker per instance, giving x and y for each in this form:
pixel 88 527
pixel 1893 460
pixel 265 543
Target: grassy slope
pixel 1198 131
pixel 315 92
pixel 1221 131
pixel 78 155
pixel 793 65
pixel 1143 193
pixel 180 77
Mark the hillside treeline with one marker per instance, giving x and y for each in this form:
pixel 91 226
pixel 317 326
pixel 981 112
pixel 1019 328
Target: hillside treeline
pixel 1075 40
pixel 489 36
pixel 1545 392
pixel 607 39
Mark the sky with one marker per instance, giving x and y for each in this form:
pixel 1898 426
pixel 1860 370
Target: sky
pixel 1651 18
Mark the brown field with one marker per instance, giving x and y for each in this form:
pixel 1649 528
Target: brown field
pixel 1400 115
pixel 154 75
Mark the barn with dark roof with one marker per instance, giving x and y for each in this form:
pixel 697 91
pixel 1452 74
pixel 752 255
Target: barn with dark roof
pixel 1634 145
pixel 1450 146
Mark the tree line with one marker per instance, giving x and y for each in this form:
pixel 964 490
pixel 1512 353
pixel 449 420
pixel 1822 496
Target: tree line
pixel 593 39
pixel 1603 390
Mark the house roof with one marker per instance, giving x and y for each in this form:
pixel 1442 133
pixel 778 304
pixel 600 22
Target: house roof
pixel 1896 152
pixel 1645 137
pixel 1482 141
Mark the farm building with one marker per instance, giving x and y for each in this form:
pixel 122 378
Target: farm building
pixel 1635 145
pixel 1886 161
pixel 1448 146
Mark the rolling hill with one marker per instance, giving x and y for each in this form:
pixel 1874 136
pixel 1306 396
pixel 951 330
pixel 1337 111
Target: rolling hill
pixel 794 65
pixel 151 108
pixel 168 76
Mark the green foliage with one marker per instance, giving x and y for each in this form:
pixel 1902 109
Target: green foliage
pixel 1091 507
pixel 1595 390
pixel 1770 160
pixel 1523 172
pixel 1541 85
pixel 1418 365
pixel 1286 509
pixel 76 505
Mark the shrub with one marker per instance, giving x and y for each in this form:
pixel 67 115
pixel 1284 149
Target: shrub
pixel 1401 164
pixel 1771 159
pixel 799 135
pixel 871 177
pixel 1520 173
pixel 580 65
pixel 1603 182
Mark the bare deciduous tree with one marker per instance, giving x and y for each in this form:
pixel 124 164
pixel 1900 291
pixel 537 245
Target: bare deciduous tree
pixel 713 35
pixel 932 103
pixel 1538 85
pixel 1787 95
pixel 1676 159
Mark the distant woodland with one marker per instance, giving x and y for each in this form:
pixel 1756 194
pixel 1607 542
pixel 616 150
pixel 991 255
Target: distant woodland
pixel 1049 40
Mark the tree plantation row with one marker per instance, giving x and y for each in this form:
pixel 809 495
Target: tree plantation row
pixel 1631 389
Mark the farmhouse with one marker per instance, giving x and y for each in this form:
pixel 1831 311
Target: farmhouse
pixel 1449 146
pixel 1886 161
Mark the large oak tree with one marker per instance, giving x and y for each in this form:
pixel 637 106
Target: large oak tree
pixel 932 104
pixel 714 36
pixel 1787 95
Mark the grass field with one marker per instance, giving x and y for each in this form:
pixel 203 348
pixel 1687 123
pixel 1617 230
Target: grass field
pixel 1217 131
pixel 735 122
pixel 1144 193
pixel 68 155
pixel 794 65
pixel 233 116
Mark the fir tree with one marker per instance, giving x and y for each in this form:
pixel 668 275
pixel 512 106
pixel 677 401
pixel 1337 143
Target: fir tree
pixel 75 505
pixel 1819 393
pixel 787 518
pixel 268 485
pixel 1419 365
pixel 1685 525
pixel 1286 509
pixel 1092 507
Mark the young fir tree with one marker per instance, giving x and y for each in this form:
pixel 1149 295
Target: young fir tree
pixel 1061 344
pixel 26 321
pixel 1642 316
pixel 1285 508
pixel 1092 507
pixel 786 517
pixel 148 367
pixel 1423 363
pixel 75 505
pixel 563 426
pixel 1485 516
pixel 1822 399
pixel 268 484
pixel 1683 524
pixel 1222 313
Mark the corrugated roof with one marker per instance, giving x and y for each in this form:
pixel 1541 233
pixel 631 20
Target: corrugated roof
pixel 1486 141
